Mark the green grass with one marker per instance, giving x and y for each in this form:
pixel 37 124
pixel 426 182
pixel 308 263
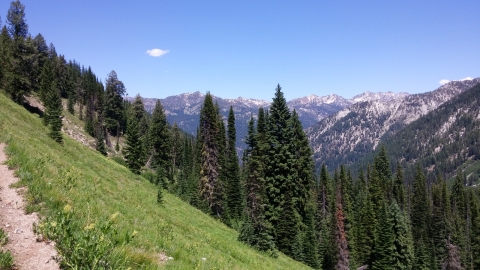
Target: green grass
pixel 96 187
pixel 6 259
pixel 471 168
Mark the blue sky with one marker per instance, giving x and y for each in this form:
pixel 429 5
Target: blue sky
pixel 244 48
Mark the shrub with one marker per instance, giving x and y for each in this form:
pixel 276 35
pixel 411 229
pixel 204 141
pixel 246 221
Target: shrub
pixel 90 247
pixel 6 260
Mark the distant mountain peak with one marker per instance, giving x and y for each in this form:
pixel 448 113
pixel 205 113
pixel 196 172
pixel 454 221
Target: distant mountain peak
pixel 382 96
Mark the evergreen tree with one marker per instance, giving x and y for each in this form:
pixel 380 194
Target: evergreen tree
pixel 382 166
pixel 476 242
pixel 140 116
pixel 100 145
pixel 41 56
pixel 287 228
pixel 304 166
pixel 114 92
pixel 62 75
pixel 161 141
pixel 325 210
pixel 366 229
pixel 402 255
pixel 310 243
pixel 211 188
pixel 255 230
pixel 472 214
pixel 133 148
pixel 88 81
pixel 250 141
pixel 177 147
pixel 54 114
pixel 383 250
pixel 394 243
pixel 233 187
pixel 458 201
pixel 52 102
pixel 326 249
pixel 440 221
pixel 398 191
pixel 341 244
pixel 375 190
pixel 325 202
pixel 47 84
pixel 17 24
pixel 5 61
pixel 279 161
pixel 345 186
pixel 420 217
pixel 21 61
pixel 182 185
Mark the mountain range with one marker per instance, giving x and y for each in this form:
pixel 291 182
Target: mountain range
pixel 356 131
pixel 184 109
pixel 349 131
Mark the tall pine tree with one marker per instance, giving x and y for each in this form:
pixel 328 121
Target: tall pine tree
pixel 233 185
pixel 52 102
pixel 133 149
pixel 114 92
pixel 161 142
pixel 255 230
pixel 210 187
pixel 279 161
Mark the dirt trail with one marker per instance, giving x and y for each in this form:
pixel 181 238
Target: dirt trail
pixel 27 252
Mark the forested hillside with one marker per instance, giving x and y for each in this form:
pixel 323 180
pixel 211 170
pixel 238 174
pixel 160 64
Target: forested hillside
pixel 442 141
pixel 152 196
pixel 349 135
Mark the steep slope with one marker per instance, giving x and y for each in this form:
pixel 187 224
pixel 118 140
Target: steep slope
pixel 97 187
pixel 312 109
pixel 443 140
pixel 354 132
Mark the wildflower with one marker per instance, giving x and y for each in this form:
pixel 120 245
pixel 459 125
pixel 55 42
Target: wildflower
pixel 91 226
pixel 114 216
pixel 67 208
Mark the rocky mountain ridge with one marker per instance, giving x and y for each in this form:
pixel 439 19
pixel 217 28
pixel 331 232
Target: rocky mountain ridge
pixel 355 131
pixel 184 109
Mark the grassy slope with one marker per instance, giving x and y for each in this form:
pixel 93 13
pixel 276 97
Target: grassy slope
pixel 97 187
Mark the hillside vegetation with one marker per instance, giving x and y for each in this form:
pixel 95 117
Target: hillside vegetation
pixel 96 188
pixel 442 141
pixel 356 132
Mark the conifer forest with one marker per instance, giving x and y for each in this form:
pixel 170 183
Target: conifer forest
pixel 272 194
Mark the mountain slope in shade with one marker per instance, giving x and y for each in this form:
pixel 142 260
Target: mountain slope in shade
pixel 350 134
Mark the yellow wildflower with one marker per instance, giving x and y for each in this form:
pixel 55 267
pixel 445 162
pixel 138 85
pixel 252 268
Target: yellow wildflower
pixel 67 208
pixel 91 226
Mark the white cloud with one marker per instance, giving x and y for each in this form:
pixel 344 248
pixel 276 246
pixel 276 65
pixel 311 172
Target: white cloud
pixel 467 79
pixel 157 52
pixel 442 82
